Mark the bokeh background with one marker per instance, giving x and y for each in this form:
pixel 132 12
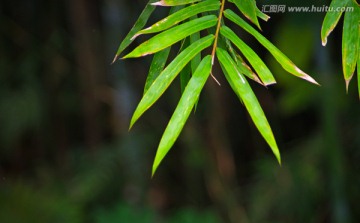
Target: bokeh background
pixel 66 154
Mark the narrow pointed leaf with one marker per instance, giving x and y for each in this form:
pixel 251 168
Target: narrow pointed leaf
pixel 185 74
pixel 283 60
pixel 168 75
pixel 180 16
pixel 159 60
pixel 243 67
pixel 262 70
pixel 183 110
pixel 174 2
pixel 173 35
pixel 157 65
pixel 350 42
pixel 139 24
pixel 197 59
pixel 247 71
pixel 248 8
pixel 243 90
pixel 262 15
pixel 331 19
pixel 259 13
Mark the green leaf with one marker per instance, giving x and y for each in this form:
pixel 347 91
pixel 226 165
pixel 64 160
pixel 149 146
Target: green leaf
pixel 350 42
pixel 183 110
pixel 284 61
pixel 331 19
pixel 243 90
pixel 197 59
pixel 358 65
pixel 243 67
pixel 157 65
pixel 262 70
pixel 173 35
pixel 248 8
pixel 174 2
pixel 185 74
pixel 358 72
pixel 139 24
pixel 168 75
pixel 159 61
pixel 262 15
pixel 180 16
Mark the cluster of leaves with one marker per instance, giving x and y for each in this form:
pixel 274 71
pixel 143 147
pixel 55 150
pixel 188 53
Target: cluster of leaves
pixel 186 20
pixel 351 35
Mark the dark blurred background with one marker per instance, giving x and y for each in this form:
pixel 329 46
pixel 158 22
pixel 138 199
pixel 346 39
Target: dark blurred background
pixel 66 154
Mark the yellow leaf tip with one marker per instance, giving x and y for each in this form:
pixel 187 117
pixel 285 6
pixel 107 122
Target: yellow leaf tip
pixel 160 3
pixel 324 41
pixel 347 83
pixel 115 59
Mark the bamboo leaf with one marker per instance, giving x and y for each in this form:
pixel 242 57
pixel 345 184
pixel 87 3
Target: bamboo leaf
pixel 183 110
pixel 139 24
pixel 243 67
pixel 174 2
pixel 180 16
pixel 358 72
pixel 168 75
pixel 262 70
pixel 173 35
pixel 331 19
pixel 185 74
pixel 157 65
pixel 159 61
pixel 350 42
pixel 197 59
pixel 248 8
pixel 262 15
pixel 284 61
pixel 243 90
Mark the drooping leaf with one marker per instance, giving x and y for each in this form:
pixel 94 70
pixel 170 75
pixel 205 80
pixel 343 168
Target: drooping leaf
pixel 197 59
pixel 243 90
pixel 157 65
pixel 185 74
pixel 174 2
pixel 259 13
pixel 350 42
pixel 139 24
pixel 168 75
pixel 248 8
pixel 331 19
pixel 262 70
pixel 243 67
pixel 183 110
pixel 159 60
pixel 247 71
pixel 173 35
pixel 180 16
pixel 262 15
pixel 283 60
